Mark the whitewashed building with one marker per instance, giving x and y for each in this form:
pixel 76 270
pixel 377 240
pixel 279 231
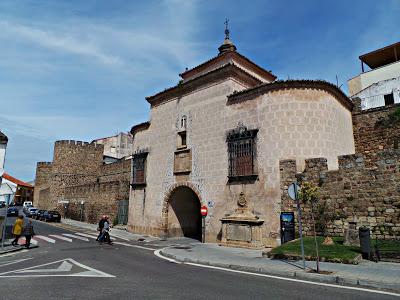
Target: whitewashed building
pixel 379 86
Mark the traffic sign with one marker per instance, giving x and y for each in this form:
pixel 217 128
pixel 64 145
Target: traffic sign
pixel 293 190
pixel 203 211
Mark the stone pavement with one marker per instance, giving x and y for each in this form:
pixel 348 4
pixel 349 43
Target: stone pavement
pixel 380 275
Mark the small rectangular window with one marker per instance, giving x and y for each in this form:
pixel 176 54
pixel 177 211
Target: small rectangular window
pixel 182 140
pixel 139 169
pixel 389 99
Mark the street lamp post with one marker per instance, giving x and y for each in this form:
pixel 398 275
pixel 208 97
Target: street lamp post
pixel 8 197
pixel 3 147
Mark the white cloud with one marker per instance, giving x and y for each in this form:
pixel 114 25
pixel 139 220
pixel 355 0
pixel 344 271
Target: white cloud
pixel 58 41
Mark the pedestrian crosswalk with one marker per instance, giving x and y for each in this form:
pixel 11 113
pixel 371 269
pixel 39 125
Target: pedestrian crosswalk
pixel 60 237
pixel 54 238
pixel 45 238
pixel 76 237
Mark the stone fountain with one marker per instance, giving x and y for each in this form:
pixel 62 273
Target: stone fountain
pixel 242 228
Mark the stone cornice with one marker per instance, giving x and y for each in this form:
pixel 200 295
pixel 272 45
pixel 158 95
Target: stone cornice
pixel 254 92
pixel 232 55
pixel 139 127
pixel 227 71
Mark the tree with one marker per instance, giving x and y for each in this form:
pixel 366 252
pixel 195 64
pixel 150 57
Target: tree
pixel 309 194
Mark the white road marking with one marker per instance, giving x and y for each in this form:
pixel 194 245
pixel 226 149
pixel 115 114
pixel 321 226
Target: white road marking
pixel 14 261
pixel 61 237
pixel 76 237
pixel 117 236
pixel 45 238
pixel 13 253
pixel 158 254
pixel 90 269
pixel 22 241
pixel 65 266
pixel 134 246
pixel 86 235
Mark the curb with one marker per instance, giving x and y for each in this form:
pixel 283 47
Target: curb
pixel 331 279
pixel 12 250
pixel 354 261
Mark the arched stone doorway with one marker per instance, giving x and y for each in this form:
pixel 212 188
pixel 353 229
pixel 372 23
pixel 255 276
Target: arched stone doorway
pixel 182 213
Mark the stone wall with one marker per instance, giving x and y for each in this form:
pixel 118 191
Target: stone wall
pixel 374 131
pixel 77 174
pixel 42 183
pixel 363 190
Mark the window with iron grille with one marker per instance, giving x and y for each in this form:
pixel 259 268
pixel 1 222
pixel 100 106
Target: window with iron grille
pixel 139 169
pixel 242 154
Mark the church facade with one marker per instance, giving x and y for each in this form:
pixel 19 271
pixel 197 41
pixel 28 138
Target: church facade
pixel 217 138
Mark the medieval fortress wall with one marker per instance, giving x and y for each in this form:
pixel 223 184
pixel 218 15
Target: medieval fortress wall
pixel 365 188
pixel 77 175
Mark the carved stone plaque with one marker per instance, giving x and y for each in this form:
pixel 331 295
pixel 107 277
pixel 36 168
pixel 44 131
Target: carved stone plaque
pixel 242 201
pixel 236 232
pixel 183 161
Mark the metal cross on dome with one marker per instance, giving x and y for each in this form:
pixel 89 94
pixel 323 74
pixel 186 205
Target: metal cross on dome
pixel 226 29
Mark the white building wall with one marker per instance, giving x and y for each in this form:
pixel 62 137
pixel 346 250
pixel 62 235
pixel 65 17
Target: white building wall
pixel 373 96
pixel 365 79
pixel 2 155
pixel 7 188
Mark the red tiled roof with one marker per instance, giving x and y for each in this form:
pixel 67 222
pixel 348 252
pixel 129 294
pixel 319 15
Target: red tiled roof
pixel 16 181
pixel 243 59
pixel 223 72
pixel 140 127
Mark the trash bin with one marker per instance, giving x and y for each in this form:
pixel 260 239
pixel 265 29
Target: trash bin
pixel 365 242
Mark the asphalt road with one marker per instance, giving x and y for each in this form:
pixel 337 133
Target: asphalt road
pixel 76 268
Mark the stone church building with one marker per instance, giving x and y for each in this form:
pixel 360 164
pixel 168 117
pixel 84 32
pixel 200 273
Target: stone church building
pixel 216 140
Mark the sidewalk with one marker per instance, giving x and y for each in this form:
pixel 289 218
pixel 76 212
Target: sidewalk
pixel 380 275
pixel 119 233
pixel 8 248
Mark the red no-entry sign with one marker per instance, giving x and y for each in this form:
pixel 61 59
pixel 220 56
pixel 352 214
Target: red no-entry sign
pixel 203 211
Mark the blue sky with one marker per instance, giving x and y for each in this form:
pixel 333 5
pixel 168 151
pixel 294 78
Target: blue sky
pixel 81 69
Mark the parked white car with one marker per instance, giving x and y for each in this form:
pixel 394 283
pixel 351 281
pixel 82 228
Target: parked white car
pixel 32 212
pixel 27 204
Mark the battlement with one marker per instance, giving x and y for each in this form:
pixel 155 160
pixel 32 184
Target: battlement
pixel 351 161
pixel 44 163
pixel 364 187
pixel 316 164
pixel 76 143
pixel 348 162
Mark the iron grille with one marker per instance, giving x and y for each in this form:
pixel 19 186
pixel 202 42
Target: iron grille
pixel 241 152
pixel 139 169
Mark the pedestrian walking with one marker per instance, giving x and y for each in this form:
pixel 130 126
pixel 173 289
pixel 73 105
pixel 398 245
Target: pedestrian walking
pixel 100 227
pixel 17 230
pixel 28 233
pixel 105 236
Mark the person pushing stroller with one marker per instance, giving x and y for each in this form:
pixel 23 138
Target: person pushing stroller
pixel 105 235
